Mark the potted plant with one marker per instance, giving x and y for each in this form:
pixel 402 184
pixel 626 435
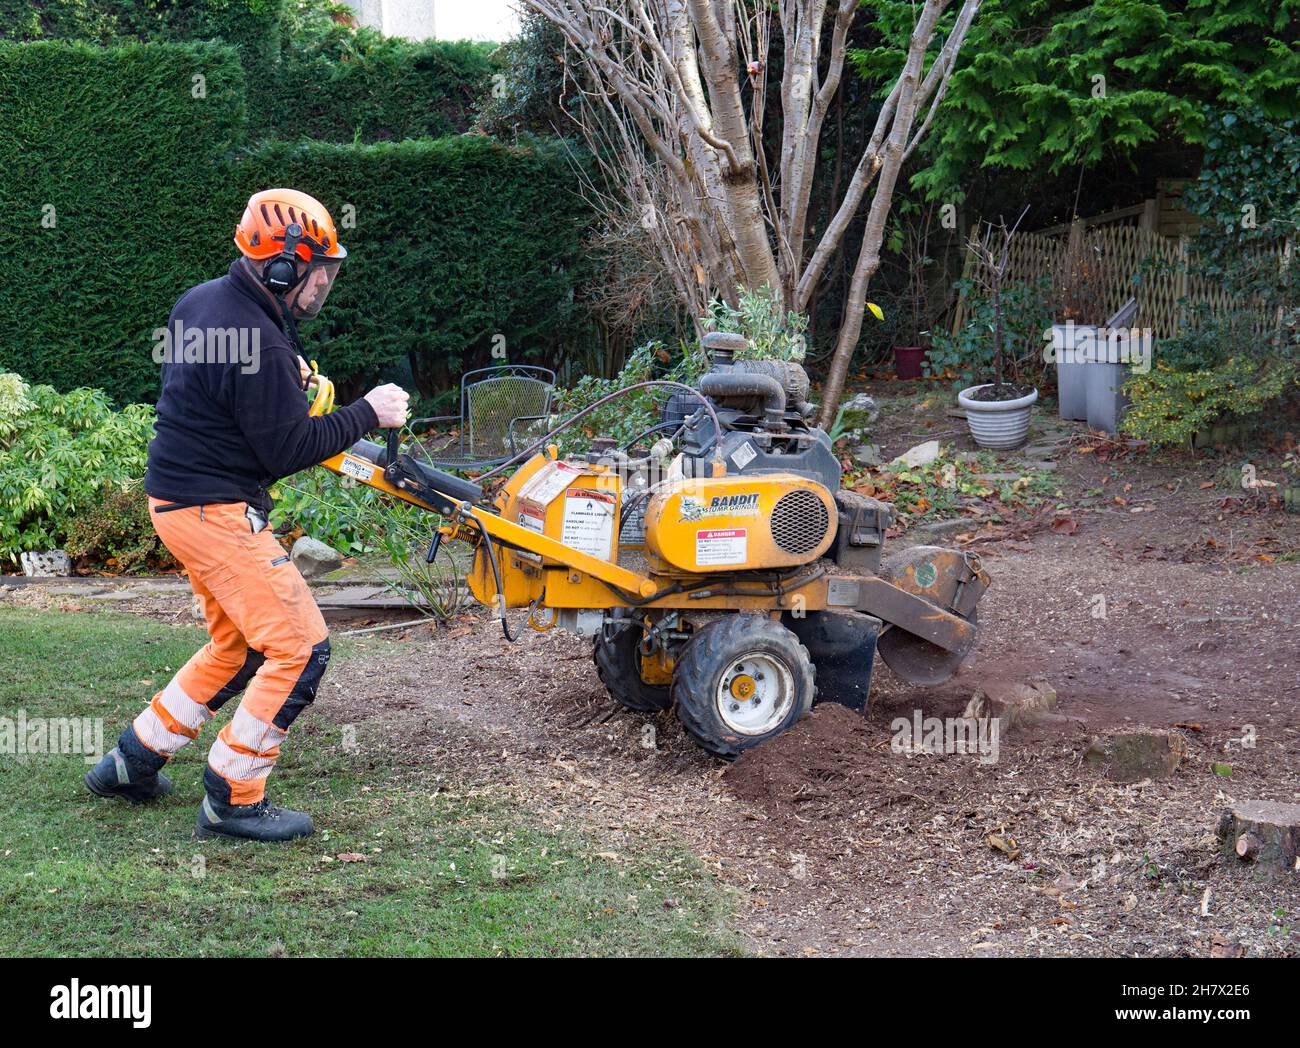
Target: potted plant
pixel 997 412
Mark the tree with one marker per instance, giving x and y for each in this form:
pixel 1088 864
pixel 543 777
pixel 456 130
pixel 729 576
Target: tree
pixel 1046 86
pixel 673 99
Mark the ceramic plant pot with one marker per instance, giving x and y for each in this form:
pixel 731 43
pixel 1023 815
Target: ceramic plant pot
pixel 997 424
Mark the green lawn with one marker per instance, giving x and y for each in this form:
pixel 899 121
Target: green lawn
pixel 445 874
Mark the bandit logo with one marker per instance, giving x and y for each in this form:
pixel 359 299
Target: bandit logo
pixel 745 505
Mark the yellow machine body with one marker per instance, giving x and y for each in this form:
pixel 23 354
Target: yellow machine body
pixel 655 567
pixel 704 525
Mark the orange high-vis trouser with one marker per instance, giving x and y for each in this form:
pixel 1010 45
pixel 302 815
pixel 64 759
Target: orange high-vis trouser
pixel 267 636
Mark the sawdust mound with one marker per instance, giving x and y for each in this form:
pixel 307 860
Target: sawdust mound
pixel 826 765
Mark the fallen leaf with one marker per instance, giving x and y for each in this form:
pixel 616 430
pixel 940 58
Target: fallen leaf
pixel 350 857
pixel 1006 845
pixel 1065 525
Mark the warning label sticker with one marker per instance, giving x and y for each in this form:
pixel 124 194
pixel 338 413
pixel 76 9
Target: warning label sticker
pixel 721 546
pixel 356 468
pixel 744 455
pixel 589 521
pixel 532 517
pixel 544 485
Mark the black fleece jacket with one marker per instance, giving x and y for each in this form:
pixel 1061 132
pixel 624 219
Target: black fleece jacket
pixel 227 430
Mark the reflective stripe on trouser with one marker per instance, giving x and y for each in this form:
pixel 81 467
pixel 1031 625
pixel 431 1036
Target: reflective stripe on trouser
pixel 267 636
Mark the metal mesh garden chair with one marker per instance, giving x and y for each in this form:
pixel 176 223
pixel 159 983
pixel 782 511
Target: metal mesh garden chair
pixel 494 404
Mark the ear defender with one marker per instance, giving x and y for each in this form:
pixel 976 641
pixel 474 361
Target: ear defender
pixel 280 274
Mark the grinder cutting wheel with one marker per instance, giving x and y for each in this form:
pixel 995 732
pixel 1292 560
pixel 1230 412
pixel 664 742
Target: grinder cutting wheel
pixel 721 572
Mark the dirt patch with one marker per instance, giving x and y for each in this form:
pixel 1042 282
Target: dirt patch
pixel 1183 616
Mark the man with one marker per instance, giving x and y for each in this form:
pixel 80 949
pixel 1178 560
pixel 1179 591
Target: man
pixel 226 430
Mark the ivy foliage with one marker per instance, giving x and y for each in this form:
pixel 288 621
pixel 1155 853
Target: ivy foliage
pixel 1221 366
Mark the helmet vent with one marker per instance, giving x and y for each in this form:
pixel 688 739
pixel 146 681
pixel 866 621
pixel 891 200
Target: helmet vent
pixel 799 521
pixel 265 215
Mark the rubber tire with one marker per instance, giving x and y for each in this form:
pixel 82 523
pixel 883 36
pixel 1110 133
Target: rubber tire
pixel 706 658
pixel 617 665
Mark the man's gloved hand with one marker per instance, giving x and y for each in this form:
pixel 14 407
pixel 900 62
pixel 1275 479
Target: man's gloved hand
pixel 391 404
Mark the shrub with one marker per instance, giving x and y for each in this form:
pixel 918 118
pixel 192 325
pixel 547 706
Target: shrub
pixel 774 333
pixel 116 532
pixel 968 355
pixel 356 85
pixel 310 72
pixel 1241 359
pixel 57 452
pixel 629 416
pixel 1172 404
pixel 348 516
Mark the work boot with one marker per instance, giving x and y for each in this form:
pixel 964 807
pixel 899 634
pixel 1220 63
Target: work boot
pixel 262 821
pixel 111 777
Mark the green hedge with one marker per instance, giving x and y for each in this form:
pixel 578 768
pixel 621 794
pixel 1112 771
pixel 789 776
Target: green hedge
pixel 308 76
pixel 364 87
pixel 454 241
pixel 114 142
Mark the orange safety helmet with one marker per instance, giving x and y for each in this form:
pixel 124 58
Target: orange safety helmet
pixel 293 238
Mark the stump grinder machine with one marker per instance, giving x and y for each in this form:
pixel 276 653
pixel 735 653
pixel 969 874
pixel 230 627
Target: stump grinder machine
pixel 720 571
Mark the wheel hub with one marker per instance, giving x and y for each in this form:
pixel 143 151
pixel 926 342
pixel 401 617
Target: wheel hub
pixel 755 693
pixel 744 687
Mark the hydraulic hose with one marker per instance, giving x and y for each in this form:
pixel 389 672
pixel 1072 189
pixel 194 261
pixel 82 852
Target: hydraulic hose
pixel 536 446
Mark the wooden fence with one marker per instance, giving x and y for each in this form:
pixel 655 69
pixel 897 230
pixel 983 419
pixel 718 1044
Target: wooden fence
pixel 1094 270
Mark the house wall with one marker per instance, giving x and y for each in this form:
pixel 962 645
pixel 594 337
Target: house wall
pixel 412 19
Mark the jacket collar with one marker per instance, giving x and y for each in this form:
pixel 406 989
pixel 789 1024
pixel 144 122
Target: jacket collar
pixel 246 284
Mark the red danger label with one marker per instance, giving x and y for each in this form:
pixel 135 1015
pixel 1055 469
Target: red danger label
pixel 721 546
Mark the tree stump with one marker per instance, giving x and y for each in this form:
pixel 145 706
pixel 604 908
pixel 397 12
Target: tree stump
pixel 1136 755
pixel 1263 832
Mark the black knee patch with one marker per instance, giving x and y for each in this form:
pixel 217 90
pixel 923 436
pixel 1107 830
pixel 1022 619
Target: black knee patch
pixel 141 761
pixel 304 691
pixel 252 663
